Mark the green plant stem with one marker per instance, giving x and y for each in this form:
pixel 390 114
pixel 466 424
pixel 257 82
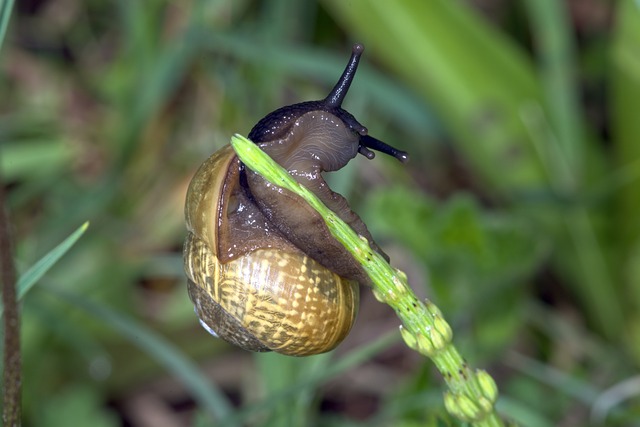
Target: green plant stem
pixel 472 393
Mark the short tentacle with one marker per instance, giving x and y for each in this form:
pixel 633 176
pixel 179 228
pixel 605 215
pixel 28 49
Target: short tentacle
pixel 366 152
pixel 367 141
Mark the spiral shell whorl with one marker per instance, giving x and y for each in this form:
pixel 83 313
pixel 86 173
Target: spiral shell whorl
pixel 282 301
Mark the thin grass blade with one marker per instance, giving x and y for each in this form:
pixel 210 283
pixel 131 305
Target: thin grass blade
pixel 40 268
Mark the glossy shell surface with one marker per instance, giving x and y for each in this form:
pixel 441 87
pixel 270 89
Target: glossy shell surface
pixel 261 292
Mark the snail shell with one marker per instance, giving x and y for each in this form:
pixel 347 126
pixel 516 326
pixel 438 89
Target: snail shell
pixel 264 272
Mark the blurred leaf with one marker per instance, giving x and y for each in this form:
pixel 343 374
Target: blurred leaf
pixel 477 80
pixel 394 101
pixel 6 6
pixel 33 158
pixel 484 246
pixel 572 160
pixel 579 390
pixel 204 392
pixel 78 405
pixel 611 400
pixel 477 260
pixel 278 373
pixel 625 99
pixel 313 379
pixel 505 120
pixel 555 53
pixel 522 413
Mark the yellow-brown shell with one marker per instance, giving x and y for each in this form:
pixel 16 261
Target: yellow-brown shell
pixel 261 293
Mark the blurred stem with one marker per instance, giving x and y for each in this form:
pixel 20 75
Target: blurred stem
pixel 11 388
pixel 11 393
pixel 472 393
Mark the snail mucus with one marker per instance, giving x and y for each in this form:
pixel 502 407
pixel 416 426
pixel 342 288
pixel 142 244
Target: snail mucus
pixel 264 272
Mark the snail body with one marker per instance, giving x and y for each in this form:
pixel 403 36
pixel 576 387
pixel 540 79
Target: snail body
pixel 264 272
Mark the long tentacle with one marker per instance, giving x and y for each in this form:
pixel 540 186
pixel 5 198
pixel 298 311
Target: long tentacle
pixel 339 91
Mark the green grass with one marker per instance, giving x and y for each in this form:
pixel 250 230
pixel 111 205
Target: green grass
pixel 517 214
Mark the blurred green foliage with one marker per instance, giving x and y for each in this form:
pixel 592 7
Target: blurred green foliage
pixel 518 213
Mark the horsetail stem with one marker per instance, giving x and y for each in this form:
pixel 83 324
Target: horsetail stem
pixel 471 393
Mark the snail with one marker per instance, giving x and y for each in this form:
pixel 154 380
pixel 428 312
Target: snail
pixel 264 273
